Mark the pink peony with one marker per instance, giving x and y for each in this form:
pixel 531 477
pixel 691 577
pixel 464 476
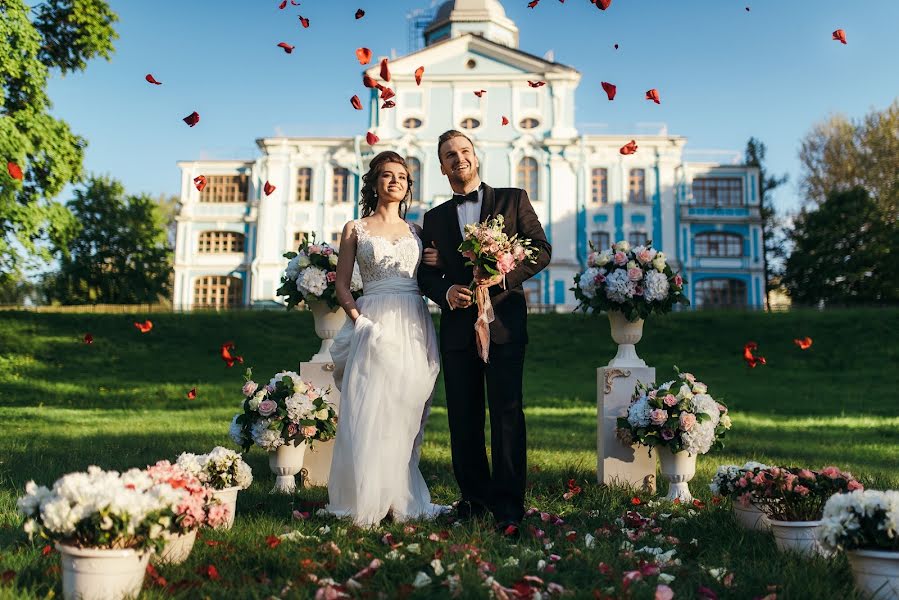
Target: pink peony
pixel 635 274
pixel 249 388
pixel 331 276
pixel 658 416
pixel 620 259
pixel 267 407
pixel 669 399
pixel 801 490
pixel 687 421
pixel 505 262
pixel 309 431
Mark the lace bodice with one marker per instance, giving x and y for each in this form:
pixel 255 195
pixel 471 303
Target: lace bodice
pixel 380 258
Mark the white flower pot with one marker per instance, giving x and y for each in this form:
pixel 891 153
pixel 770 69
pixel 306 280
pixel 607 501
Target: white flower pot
pixel 750 517
pixel 95 574
pixel 797 536
pixel 286 462
pixel 626 335
pixel 177 549
pixel 228 498
pixel 678 469
pixel 876 573
pixel 328 321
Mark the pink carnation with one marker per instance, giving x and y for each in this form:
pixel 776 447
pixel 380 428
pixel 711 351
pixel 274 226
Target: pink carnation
pixel 687 421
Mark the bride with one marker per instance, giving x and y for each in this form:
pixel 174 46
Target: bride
pixel 385 357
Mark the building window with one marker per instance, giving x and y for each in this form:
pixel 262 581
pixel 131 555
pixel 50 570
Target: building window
pixel 335 239
pixel 412 123
pixel 298 237
pixel 637 238
pixel 718 191
pixel 218 291
pixel 600 186
pixel 720 292
pixel 225 188
pixel 529 123
pixel 304 185
pixel 340 185
pixel 527 176
pixel 600 240
pixel 414 166
pixel 219 242
pixel 718 244
pixel 636 186
pixel 470 123
pixel 532 291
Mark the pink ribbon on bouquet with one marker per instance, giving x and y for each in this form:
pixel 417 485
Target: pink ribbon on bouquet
pixel 485 318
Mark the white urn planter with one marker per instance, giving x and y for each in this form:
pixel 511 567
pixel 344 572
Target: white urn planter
pixel 328 321
pixel 750 517
pixel 177 549
pixel 797 536
pixel 626 335
pixel 97 574
pixel 286 462
pixel 876 573
pixel 228 498
pixel 678 469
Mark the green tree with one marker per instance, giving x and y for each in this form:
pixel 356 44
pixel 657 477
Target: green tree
pixel 772 232
pixel 55 34
pixel 119 254
pixel 844 252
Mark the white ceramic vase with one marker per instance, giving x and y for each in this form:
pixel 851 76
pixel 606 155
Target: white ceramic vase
pixel 286 462
pixel 750 517
pixel 797 536
pixel 228 498
pixel 95 574
pixel 626 335
pixel 876 573
pixel 328 321
pixel 177 549
pixel 678 469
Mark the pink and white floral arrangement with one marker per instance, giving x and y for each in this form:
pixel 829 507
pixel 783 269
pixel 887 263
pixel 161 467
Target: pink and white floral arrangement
pixel 195 505
pixel 220 469
pixel 311 273
pixel 287 410
pixel 793 493
pixel 679 414
pixel 636 281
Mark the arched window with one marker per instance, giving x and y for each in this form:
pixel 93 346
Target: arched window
pixel 218 291
pixel 219 242
pixel 600 186
pixel 527 176
pixel 412 123
pixel 718 244
pixel 720 292
pixel 470 123
pixel 529 123
pixel 415 173
pixel 304 185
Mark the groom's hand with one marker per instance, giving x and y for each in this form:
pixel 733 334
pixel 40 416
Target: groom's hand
pixel 459 296
pixel 483 278
pixel 431 257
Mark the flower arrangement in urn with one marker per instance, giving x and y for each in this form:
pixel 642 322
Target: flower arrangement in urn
pixel 861 520
pixel 311 273
pixel 792 493
pixel 636 281
pixel 287 410
pixel 219 469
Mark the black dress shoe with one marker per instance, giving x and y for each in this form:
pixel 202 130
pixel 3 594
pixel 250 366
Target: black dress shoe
pixel 509 530
pixel 465 509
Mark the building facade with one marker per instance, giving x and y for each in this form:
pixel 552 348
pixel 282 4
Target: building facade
pixel 705 217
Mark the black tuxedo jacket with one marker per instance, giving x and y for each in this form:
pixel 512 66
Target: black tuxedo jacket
pixel 441 226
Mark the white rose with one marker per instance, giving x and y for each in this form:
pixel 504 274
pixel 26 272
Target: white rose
pixel 685 391
pixel 623 246
pixel 321 414
pixel 603 258
pixel 332 260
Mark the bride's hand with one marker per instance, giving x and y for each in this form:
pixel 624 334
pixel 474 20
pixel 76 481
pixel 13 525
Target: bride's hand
pixel 431 257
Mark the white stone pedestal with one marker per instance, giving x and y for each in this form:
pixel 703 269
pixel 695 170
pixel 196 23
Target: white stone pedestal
pixel 317 462
pixel 616 464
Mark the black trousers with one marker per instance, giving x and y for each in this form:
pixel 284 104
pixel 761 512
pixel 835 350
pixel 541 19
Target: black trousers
pixel 464 375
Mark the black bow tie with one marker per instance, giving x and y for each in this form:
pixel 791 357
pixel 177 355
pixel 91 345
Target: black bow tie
pixel 469 197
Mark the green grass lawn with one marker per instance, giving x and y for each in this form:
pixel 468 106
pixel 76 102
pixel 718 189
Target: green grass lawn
pixel 121 402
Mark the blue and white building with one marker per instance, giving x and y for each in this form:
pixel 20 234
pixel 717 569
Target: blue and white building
pixel 704 216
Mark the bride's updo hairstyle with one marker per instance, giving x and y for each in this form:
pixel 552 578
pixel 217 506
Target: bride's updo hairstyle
pixel 369 201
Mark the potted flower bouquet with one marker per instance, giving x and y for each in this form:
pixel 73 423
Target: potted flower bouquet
pixel 309 277
pixel 679 418
pixel 283 418
pixel 793 501
pixel 225 472
pixel 725 483
pixel 105 525
pixel 629 283
pixel 864 523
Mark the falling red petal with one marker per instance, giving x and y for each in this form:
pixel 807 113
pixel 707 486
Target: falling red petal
pixel 603 4
pixel 200 182
pixel 369 82
pixel 636 501
pixel 653 95
pixel 803 343
pixel 536 84
pixel 480 93
pixel 144 327
pixel 533 3
pixel 273 541
pixel 14 171
pixel 840 35
pixel 388 104
pixel 211 572
pixel 750 358
pixel 359 14
pixel 609 89
pixel 419 72
pixel 192 394
pixel 46 550
pixel 357 104
pixel 268 188
pixel 364 55
pixel 385 70
pixel 304 22
pixel 192 119
pixel 283 4
pixel 505 121
pixel 88 338
pixel 387 93
pixel 228 357
pixel 629 148
pixel 151 79
pixel 371 138
pixel 287 47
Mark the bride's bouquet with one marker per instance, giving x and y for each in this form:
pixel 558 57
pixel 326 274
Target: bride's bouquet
pixel 636 281
pixel 288 410
pixel 311 273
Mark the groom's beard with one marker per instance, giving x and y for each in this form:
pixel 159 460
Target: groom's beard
pixel 464 178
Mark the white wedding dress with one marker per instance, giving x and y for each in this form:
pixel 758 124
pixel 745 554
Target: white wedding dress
pixel 386 365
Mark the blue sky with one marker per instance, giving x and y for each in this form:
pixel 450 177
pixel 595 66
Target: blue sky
pixel 724 74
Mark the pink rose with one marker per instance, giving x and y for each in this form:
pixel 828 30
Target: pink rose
pixel 669 399
pixel 687 421
pixel 806 474
pixel 267 407
pixel 831 472
pixel 292 429
pixel 678 281
pixel 801 490
pixel 315 249
pixel 309 431
pixel 658 416
pixel 690 377
pixel 505 262
pixel 249 388
pixel 645 256
pixel 854 485
pixel 331 276
pixel 620 259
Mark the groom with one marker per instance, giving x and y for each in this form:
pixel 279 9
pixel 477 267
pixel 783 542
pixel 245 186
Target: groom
pixel 464 372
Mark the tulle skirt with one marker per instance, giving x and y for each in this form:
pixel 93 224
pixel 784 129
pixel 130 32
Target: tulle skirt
pixel 386 365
